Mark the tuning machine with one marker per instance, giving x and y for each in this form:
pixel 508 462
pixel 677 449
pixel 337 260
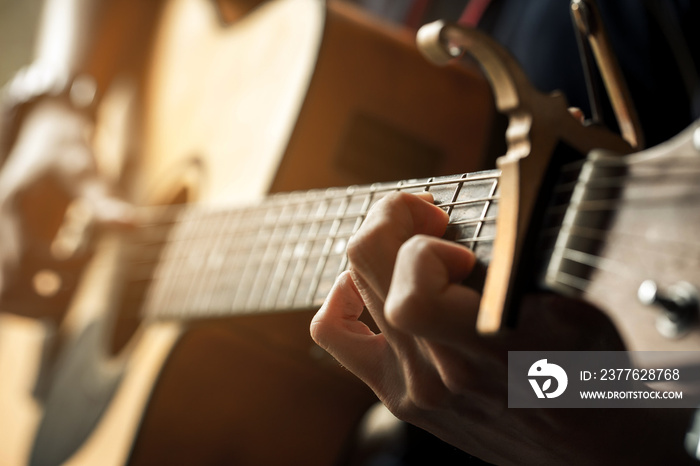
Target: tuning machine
pixel 679 303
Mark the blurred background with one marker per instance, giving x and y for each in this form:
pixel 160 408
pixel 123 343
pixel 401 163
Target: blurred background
pixel 18 23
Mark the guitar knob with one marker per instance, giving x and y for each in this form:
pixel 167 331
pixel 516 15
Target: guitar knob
pixel 679 303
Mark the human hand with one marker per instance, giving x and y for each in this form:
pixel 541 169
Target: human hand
pixel 430 367
pixel 52 144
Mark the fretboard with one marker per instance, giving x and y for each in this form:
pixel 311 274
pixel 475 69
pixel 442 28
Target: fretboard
pixel 286 252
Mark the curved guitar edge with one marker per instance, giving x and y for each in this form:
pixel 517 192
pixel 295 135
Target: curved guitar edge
pixel 112 439
pixel 21 346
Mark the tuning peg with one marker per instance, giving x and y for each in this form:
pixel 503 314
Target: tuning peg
pixel 679 302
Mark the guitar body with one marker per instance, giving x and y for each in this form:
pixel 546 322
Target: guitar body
pixel 297 94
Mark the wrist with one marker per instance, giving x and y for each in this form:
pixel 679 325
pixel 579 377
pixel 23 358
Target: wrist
pixel 38 82
pixel 44 80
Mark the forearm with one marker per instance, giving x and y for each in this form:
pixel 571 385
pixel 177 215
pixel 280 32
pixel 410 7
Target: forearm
pixel 66 30
pixel 95 38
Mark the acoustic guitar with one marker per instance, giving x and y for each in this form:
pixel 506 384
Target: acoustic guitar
pixel 211 280
pixel 297 94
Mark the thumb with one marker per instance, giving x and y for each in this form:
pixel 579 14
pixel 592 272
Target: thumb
pixel 95 198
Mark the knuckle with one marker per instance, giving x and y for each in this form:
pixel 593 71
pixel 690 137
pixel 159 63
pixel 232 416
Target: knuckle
pixel 388 220
pixel 394 209
pixel 417 249
pixel 403 310
pixel 357 248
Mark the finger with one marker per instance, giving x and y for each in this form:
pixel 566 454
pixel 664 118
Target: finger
pixel 398 341
pixel 105 209
pixel 390 363
pixel 337 329
pixel 426 299
pixel 393 220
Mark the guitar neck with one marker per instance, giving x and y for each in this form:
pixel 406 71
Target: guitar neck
pixel 285 253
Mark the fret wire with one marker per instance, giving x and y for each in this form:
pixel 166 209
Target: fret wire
pixel 236 251
pixel 202 279
pixel 487 204
pixel 369 198
pixel 165 272
pixel 198 254
pixel 472 221
pixel 279 246
pixel 174 211
pixel 193 244
pixel 176 262
pixel 269 261
pixel 214 262
pixel 373 194
pixel 483 239
pixel 450 205
pixel 255 297
pixel 308 210
pixel 243 288
pixel 222 289
pixel 427 187
pixel 382 189
pixel 376 190
pixel 326 251
pixel 467 177
pixel 293 234
pixel 301 261
pixel 277 241
pixel 146 213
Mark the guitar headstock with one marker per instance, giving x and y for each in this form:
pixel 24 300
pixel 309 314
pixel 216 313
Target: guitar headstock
pixel 629 243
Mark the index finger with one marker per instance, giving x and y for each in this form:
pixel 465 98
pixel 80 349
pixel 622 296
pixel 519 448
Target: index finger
pixel 391 222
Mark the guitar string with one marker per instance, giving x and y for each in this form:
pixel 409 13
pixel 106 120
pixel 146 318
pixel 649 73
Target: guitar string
pixel 169 216
pixel 592 260
pixel 254 229
pixel 551 232
pixel 242 241
pixel 589 205
pixel 158 234
pixel 450 182
pixel 619 268
pixel 294 197
pixel 338 194
pixel 265 228
pixel 300 267
pixel 622 270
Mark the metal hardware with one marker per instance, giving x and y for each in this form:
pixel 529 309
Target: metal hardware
pixel 594 40
pixel 679 303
